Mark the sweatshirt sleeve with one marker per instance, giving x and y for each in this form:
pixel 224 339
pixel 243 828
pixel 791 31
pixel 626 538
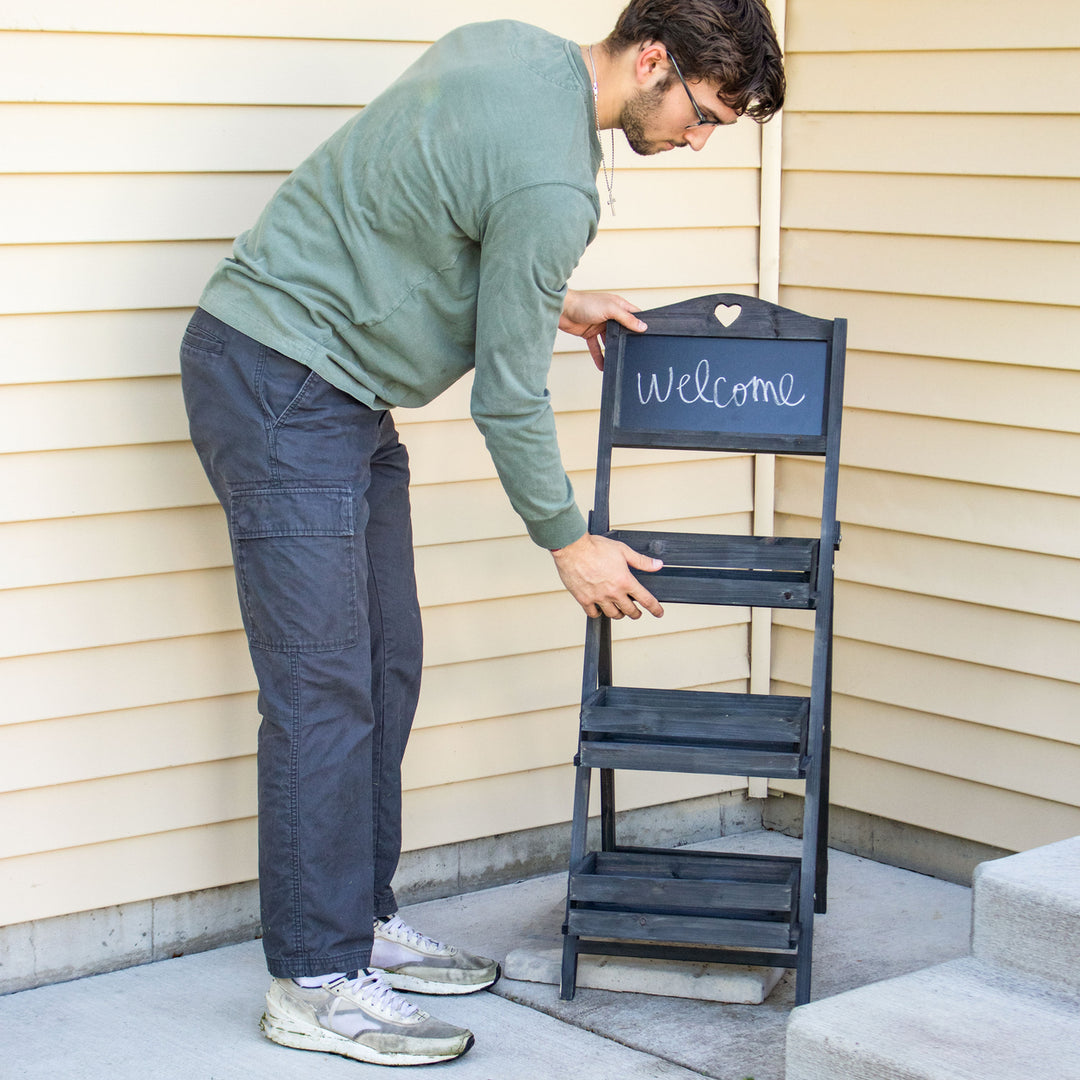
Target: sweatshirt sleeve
pixel 531 241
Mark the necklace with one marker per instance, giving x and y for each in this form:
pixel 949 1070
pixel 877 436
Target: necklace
pixel 609 177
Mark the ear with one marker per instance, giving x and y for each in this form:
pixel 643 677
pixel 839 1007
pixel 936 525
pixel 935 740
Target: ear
pixel 651 58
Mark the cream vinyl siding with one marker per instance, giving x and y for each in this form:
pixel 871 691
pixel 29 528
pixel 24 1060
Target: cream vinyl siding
pixel 135 141
pixel 931 195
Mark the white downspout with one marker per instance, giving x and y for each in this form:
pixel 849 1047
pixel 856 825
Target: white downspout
pixel 765 464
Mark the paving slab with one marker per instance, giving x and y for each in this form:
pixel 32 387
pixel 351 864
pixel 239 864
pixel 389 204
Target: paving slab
pixel 196 1018
pixel 541 961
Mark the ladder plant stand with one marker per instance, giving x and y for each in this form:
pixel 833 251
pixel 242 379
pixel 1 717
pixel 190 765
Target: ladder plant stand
pixel 717 373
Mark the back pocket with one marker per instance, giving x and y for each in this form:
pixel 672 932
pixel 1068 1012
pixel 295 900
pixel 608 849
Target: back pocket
pixel 199 336
pixel 296 570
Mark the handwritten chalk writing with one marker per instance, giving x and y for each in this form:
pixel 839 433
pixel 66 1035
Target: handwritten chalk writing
pixel 699 387
pixel 654 388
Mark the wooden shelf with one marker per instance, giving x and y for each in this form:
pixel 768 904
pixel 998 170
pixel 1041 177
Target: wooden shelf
pixel 686 897
pixel 744 571
pixel 693 731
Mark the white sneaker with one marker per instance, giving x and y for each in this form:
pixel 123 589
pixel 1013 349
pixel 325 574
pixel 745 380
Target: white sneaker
pixel 408 960
pixel 360 1018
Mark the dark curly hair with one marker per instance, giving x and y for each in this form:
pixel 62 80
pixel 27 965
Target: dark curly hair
pixel 729 42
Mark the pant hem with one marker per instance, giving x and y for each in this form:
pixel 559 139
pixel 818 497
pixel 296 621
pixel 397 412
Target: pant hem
pixel 320 965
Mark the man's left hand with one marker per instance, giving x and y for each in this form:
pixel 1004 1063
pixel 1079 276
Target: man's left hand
pixel 596 573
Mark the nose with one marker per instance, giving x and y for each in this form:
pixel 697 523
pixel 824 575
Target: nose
pixel 697 137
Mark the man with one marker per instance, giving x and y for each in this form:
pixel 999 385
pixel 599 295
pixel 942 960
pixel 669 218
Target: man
pixel 434 234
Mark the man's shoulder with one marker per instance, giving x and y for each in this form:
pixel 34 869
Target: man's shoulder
pixel 512 97
pixel 500 49
pixel 496 30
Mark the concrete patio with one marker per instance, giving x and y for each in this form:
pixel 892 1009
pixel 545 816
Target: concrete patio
pixel 196 1017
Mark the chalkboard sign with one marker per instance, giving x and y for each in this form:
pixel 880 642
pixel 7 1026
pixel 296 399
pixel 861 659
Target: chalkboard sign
pixel 731 374
pixel 755 387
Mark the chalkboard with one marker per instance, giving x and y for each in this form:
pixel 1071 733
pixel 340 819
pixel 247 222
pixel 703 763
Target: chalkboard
pixel 744 386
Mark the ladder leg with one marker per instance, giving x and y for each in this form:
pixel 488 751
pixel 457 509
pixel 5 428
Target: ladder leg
pixel 807 888
pixel 815 817
pixel 578 842
pixel 569 969
pixel 607 809
pixel 607 776
pixel 822 881
pixel 802 974
pixel 578 831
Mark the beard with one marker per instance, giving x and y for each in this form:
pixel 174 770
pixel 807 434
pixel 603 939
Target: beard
pixel 636 114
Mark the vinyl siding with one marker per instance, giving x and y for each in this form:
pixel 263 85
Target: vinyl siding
pixel 135 142
pixel 932 195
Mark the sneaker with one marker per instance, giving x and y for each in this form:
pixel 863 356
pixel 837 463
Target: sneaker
pixel 408 960
pixel 359 1018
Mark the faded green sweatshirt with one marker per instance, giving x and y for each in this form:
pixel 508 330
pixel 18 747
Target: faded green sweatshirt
pixel 435 233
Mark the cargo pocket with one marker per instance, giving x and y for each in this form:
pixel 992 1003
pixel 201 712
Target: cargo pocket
pixel 296 567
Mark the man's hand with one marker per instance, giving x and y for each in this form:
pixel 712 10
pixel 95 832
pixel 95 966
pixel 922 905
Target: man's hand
pixel 586 314
pixel 596 571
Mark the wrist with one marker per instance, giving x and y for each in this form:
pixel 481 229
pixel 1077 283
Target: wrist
pixel 557 553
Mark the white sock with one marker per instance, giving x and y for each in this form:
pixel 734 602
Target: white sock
pixel 312 981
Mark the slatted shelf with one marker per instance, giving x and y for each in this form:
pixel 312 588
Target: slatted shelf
pixel 686 897
pixel 794 553
pixel 656 730
pixel 681 929
pixel 694 954
pixel 747 571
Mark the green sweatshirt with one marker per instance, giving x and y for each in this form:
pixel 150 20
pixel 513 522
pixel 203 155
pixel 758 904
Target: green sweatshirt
pixel 434 233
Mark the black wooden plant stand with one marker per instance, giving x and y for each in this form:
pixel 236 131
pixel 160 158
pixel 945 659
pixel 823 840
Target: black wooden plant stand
pixel 727 373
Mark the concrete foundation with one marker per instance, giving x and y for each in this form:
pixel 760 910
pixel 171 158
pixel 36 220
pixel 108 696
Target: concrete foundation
pixel 951 858
pixel 93 942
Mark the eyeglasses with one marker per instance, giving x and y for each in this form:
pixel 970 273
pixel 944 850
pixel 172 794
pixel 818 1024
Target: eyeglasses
pixel 701 119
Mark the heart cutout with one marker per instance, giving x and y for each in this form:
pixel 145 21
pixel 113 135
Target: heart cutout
pixel 727 315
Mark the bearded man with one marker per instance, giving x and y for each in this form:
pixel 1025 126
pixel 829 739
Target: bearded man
pixel 433 235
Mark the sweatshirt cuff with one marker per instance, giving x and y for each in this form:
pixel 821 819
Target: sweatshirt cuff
pixel 557 532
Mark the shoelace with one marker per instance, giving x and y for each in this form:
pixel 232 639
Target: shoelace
pixel 399 930
pixel 373 991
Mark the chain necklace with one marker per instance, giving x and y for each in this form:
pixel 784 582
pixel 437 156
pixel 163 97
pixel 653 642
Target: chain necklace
pixel 609 177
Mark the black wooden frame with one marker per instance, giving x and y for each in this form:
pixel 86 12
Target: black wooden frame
pixel 695 905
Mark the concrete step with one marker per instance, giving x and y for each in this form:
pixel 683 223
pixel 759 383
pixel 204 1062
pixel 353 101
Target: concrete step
pixel 1026 913
pixel 964 1020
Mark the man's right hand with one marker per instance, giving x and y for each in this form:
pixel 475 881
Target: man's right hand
pixel 586 315
pixel 596 572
